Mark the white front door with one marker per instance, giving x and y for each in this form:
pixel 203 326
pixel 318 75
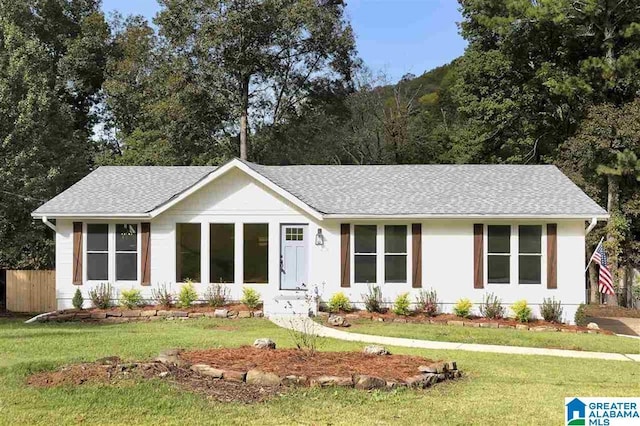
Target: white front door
pixel 293 257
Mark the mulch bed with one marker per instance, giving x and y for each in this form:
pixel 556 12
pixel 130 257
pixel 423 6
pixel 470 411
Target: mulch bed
pixel 291 361
pixel 98 373
pixel 443 319
pixel 611 311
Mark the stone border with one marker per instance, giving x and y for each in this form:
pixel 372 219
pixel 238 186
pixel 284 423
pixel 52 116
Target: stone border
pixel 330 319
pixel 426 376
pixel 119 316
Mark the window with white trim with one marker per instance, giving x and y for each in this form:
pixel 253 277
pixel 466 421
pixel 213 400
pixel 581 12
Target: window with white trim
pixel 365 253
pixel 530 254
pixel 98 251
pixel 126 252
pixel 395 253
pixel 499 254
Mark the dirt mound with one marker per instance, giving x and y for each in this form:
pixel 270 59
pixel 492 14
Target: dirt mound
pixel 295 362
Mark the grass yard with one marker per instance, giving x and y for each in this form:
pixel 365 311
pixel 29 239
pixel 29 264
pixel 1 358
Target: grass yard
pixel 492 336
pixel 497 389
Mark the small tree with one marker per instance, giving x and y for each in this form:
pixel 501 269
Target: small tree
pixel 77 300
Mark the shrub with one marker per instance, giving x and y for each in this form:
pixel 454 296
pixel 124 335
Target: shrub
pixel 187 295
pixel 131 298
pixel 216 295
pixel 401 305
pixel 581 316
pixel 428 302
pixel 491 307
pixel 101 296
pixel 77 300
pixel 339 302
pixel 462 308
pixel 373 299
pixel 551 310
pixel 163 295
pixel 250 297
pixel 521 310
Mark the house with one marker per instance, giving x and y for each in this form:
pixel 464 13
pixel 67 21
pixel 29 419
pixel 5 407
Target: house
pixel 517 231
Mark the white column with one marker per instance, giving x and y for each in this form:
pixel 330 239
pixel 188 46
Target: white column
pixel 380 255
pixel 204 254
pixel 238 255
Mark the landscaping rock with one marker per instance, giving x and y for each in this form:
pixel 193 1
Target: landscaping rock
pixel 293 380
pixel 376 350
pixel 163 374
pixel 264 343
pixel 330 381
pixel 232 314
pixel 207 370
pixel 131 313
pixel 180 314
pixel 593 326
pixel 489 324
pixel 336 321
pixel 113 313
pixel 244 314
pixel 522 327
pixel 196 315
pixel 83 315
pixel 261 378
pixel 108 360
pixel 454 322
pixel 234 375
pixel 473 324
pixel 258 314
pixel 400 320
pixel 369 382
pixel 220 313
pixel 170 356
pixel 148 313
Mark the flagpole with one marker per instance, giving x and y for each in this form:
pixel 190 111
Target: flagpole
pixel 594 252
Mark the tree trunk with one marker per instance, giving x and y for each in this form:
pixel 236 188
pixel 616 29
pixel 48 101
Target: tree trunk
pixel 594 293
pixel 244 116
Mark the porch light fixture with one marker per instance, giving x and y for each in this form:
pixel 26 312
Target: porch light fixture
pixel 319 238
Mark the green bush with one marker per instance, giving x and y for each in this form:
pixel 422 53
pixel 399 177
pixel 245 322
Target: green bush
pixel 462 308
pixel 339 302
pixel 77 300
pixel 401 305
pixel 427 302
pixel 187 295
pixel 373 299
pixel 491 307
pixel 163 295
pixel 551 310
pixel 581 316
pixel 216 295
pixel 131 299
pixel 250 297
pixel 521 310
pixel 101 296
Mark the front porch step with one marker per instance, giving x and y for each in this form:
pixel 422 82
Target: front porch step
pixel 290 305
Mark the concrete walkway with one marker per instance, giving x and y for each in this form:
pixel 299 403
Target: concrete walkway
pixel 307 324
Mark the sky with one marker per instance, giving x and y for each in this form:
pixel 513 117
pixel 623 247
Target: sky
pixel 394 37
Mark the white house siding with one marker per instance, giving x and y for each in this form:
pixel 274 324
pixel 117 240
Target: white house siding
pixel 236 198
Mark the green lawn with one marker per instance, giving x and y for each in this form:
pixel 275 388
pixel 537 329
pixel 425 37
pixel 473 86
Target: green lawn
pixel 492 336
pixel 500 389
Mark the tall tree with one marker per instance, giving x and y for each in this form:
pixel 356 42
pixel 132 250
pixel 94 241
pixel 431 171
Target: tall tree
pixel 52 58
pixel 263 55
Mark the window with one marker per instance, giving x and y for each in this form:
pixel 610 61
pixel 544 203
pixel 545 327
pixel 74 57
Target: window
pixel 530 254
pixel 126 252
pixel 256 253
pixel 365 252
pixel 221 252
pixel 97 251
pixel 499 254
pixel 187 252
pixel 395 253
pixel 294 234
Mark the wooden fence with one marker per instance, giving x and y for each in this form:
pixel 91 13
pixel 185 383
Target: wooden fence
pixel 31 291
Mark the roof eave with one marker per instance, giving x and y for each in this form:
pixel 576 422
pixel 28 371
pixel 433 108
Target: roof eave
pixel 92 216
pixel 469 216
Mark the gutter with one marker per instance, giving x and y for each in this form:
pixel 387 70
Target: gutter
pixel 594 222
pixel 46 221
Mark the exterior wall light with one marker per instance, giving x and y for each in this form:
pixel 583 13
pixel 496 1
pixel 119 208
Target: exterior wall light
pixel 319 238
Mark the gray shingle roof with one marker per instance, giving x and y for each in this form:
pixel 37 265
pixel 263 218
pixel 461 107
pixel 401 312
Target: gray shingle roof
pixel 129 190
pixel 354 190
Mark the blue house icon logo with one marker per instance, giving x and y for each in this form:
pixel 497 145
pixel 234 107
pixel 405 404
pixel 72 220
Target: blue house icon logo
pixel 576 412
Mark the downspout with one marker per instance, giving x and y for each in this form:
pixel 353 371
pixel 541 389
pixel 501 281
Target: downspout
pixel 45 220
pixel 594 222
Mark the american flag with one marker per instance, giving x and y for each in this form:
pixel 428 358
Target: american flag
pixel 605 280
